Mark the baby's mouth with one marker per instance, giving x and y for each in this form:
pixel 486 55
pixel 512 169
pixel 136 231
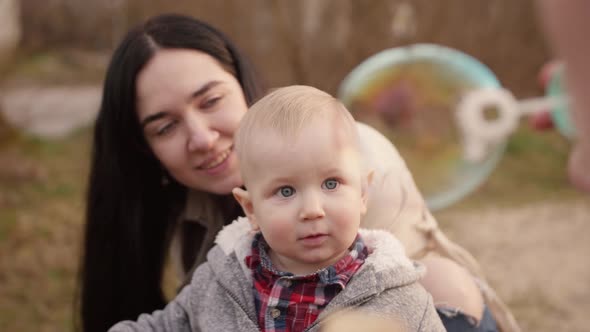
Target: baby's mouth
pixel 314 240
pixel 313 236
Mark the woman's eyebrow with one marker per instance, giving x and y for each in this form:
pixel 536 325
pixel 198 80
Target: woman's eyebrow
pixel 202 90
pixel 199 92
pixel 151 118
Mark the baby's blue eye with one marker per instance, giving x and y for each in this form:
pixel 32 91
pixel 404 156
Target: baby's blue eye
pixel 331 184
pixel 286 191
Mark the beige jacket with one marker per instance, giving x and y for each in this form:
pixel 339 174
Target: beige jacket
pixel 394 204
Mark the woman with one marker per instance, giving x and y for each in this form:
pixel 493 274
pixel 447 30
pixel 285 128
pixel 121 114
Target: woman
pixel 163 167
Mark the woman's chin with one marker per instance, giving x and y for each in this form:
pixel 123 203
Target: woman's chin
pixel 224 187
pixel 220 185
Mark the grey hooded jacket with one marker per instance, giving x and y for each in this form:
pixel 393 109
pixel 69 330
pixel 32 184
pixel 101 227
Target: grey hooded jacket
pixel 220 295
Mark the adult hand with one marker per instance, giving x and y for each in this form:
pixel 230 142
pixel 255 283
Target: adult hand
pixel 567 24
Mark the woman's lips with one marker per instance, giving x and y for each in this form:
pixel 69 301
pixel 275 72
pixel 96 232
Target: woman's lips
pixel 218 164
pixel 213 162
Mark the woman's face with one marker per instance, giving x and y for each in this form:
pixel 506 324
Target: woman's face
pixel 189 108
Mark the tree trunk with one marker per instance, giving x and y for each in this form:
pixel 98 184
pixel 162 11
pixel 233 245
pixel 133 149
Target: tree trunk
pixel 11 30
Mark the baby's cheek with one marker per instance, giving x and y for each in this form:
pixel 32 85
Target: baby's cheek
pixel 281 231
pixel 348 219
pixel 275 223
pixel 279 238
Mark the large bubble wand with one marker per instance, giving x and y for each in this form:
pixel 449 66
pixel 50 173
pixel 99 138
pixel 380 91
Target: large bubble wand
pixel 434 104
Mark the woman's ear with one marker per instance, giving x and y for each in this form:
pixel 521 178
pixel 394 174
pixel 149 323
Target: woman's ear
pixel 243 197
pixel 366 182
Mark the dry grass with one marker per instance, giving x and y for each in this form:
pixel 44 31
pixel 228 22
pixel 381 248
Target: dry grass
pixel 508 224
pixel 42 183
pixel 534 254
pixel 40 222
pixel 527 228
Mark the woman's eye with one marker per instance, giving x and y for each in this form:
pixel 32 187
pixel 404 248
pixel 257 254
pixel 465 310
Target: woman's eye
pixel 286 191
pixel 165 129
pixel 331 184
pixel 210 102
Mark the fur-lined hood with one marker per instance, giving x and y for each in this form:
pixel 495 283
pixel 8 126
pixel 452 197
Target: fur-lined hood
pixel 387 257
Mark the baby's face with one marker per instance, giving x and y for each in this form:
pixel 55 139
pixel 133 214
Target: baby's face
pixel 307 196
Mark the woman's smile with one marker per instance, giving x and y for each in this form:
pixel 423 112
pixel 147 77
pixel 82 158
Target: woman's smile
pixel 217 163
pixel 215 160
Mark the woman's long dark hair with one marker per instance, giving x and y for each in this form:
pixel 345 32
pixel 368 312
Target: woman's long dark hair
pixel 130 214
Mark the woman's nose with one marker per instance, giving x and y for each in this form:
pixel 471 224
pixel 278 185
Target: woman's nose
pixel 311 208
pixel 202 136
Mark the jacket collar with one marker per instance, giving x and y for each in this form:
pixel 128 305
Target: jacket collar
pixel 386 267
pixel 387 254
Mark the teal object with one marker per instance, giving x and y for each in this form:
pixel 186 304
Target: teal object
pixel 560 114
pixel 461 177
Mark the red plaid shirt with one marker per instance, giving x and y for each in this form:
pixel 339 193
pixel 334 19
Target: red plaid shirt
pixel 286 302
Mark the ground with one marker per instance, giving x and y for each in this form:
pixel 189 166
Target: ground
pixel 535 255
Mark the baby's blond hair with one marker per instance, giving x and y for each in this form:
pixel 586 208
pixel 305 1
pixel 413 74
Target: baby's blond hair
pixel 286 111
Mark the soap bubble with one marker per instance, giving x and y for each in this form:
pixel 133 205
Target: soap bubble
pixel 560 114
pixel 409 94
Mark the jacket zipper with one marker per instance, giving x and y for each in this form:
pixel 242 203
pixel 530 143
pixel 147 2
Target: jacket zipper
pixel 240 304
pixel 351 303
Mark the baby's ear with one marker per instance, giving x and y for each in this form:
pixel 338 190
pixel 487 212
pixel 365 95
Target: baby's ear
pixel 369 178
pixel 243 197
pixel 366 182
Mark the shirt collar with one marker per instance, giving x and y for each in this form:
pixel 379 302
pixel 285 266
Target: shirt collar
pixel 339 273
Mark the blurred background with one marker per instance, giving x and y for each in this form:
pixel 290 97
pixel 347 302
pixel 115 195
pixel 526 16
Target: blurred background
pixel 525 224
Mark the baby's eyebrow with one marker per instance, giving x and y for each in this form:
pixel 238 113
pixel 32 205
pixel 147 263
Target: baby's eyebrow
pixel 280 181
